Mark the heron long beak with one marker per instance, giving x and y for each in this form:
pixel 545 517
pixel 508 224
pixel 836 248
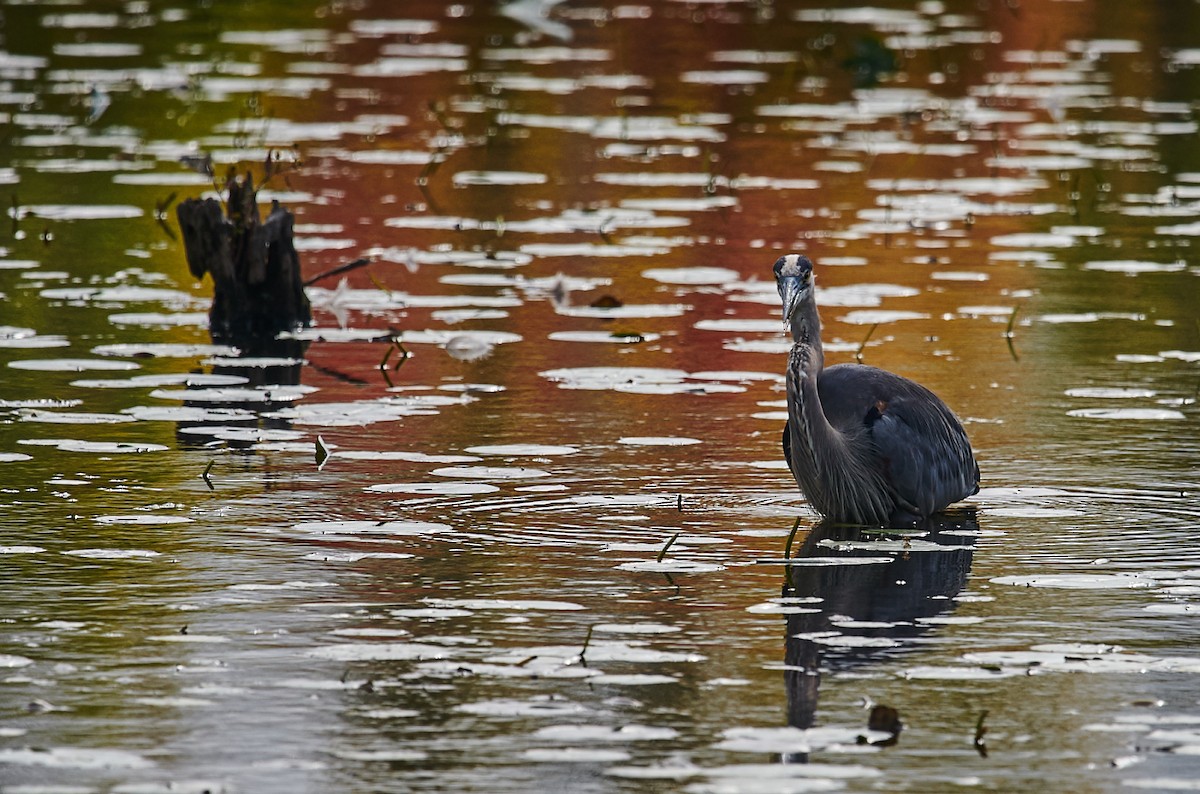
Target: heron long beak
pixel 792 291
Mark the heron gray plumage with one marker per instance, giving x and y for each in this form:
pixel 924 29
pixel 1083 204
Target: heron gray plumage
pixel 866 446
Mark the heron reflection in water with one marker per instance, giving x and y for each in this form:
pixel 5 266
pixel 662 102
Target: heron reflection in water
pixel 866 446
pixel 866 614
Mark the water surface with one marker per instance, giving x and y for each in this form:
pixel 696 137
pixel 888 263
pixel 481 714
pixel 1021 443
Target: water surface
pixel 546 551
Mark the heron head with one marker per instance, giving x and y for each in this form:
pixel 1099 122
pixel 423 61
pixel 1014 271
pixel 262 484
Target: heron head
pixel 794 280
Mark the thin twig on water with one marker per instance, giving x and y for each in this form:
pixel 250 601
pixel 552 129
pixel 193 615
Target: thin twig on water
pixel 1008 332
pixel 980 731
pixel 346 268
pixel 663 552
pixel 787 548
pixel 205 477
pixel 787 551
pixel 858 354
pixel 586 641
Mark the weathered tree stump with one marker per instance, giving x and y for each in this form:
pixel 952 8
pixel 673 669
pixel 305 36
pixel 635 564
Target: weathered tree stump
pixel 258 291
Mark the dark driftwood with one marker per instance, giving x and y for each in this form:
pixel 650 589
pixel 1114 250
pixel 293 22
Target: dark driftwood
pixel 257 287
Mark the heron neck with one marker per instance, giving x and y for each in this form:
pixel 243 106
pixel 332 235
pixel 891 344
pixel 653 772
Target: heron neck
pixel 806 331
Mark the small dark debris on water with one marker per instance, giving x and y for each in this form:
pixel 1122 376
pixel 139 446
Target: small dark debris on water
pixel 668 545
pixel 1008 333
pixel 367 686
pixel 980 731
pixel 339 270
pixel 870 62
pixel 184 630
pixel 206 478
pixel 606 302
pixel 883 719
pixel 587 640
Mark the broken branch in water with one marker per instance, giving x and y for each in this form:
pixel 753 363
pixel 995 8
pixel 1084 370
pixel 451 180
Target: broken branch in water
pixel 1008 332
pixel 663 553
pixel 337 271
pixel 980 730
pixel 586 641
pixel 858 354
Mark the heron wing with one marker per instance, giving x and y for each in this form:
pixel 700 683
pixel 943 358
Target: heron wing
pixel 787 445
pixel 924 452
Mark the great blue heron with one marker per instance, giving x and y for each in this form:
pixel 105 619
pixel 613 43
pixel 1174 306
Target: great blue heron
pixel 866 446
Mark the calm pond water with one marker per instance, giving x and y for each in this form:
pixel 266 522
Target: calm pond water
pixel 547 550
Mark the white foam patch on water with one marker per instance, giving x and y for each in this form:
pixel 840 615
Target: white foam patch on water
pixel 21 549
pixel 738 325
pixel 252 362
pixel 634 628
pixel 400 528
pixel 956 673
pixel 1173 609
pixel 72 364
pixel 112 554
pixel 538 706
pixel 182 413
pixel 835 639
pixel 880 316
pixel 76 212
pixel 160 319
pixel 658 441
pixel 8 660
pixel 1090 317
pixel 791 740
pixel 14 457
pixel 1138 414
pixel 597 651
pixel 144 519
pixel 611 377
pixel 1134 267
pixel 691 275
pixel 154 381
pixel 603 733
pixel 521 450
pixel 350 414
pixel 34 342
pixel 668 565
pixel 188 639
pixel 95 447
pixel 71 417
pixel 490 472
pixel 626 311
pixel 264 394
pixel 412 457
pixel 1109 393
pixel 164 350
pixel 1162 784
pixel 633 679
pixel 434 488
pixel 1079 581
pixel 607 337
pixel 518 605
pixel 74 758
pixel 898 546
pixel 379 652
pixel 468 178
